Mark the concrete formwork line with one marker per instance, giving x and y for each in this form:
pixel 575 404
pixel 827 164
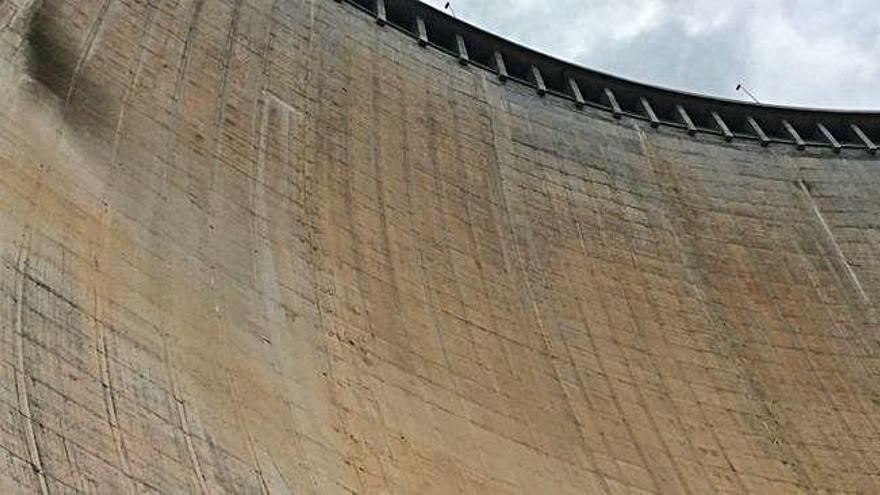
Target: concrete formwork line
pixel 729 343
pixel 87 48
pixel 331 260
pixel 23 396
pixel 830 235
pixel 530 299
pixel 170 163
pixel 102 251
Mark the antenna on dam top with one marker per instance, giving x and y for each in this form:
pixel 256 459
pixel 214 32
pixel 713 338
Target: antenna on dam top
pixel 740 86
pixel 448 7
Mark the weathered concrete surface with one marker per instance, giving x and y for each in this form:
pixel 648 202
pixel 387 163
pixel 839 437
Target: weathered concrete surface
pixel 268 246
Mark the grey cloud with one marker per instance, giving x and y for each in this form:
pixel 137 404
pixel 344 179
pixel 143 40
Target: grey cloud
pixel 709 62
pixel 800 52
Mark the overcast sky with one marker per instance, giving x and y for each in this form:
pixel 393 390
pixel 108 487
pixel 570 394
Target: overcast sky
pixel 822 53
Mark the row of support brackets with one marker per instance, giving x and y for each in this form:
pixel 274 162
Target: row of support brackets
pixel 610 101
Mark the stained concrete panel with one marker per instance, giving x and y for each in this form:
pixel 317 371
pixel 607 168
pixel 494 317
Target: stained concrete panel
pixel 270 246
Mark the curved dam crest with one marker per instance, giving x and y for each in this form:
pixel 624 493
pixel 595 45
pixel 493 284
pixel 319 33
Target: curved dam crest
pixel 273 246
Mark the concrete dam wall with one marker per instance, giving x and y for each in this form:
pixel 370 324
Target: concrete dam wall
pixel 274 246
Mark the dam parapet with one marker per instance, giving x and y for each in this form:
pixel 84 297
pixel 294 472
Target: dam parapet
pixel 695 114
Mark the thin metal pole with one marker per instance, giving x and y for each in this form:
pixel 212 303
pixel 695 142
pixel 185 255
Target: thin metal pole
pixel 740 86
pixel 450 9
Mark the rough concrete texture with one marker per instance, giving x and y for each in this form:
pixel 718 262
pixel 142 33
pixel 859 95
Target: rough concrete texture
pixel 267 246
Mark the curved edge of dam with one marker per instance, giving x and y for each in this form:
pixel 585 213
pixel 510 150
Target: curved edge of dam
pixel 691 112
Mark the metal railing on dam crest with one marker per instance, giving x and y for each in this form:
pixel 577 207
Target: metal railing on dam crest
pixel 693 113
